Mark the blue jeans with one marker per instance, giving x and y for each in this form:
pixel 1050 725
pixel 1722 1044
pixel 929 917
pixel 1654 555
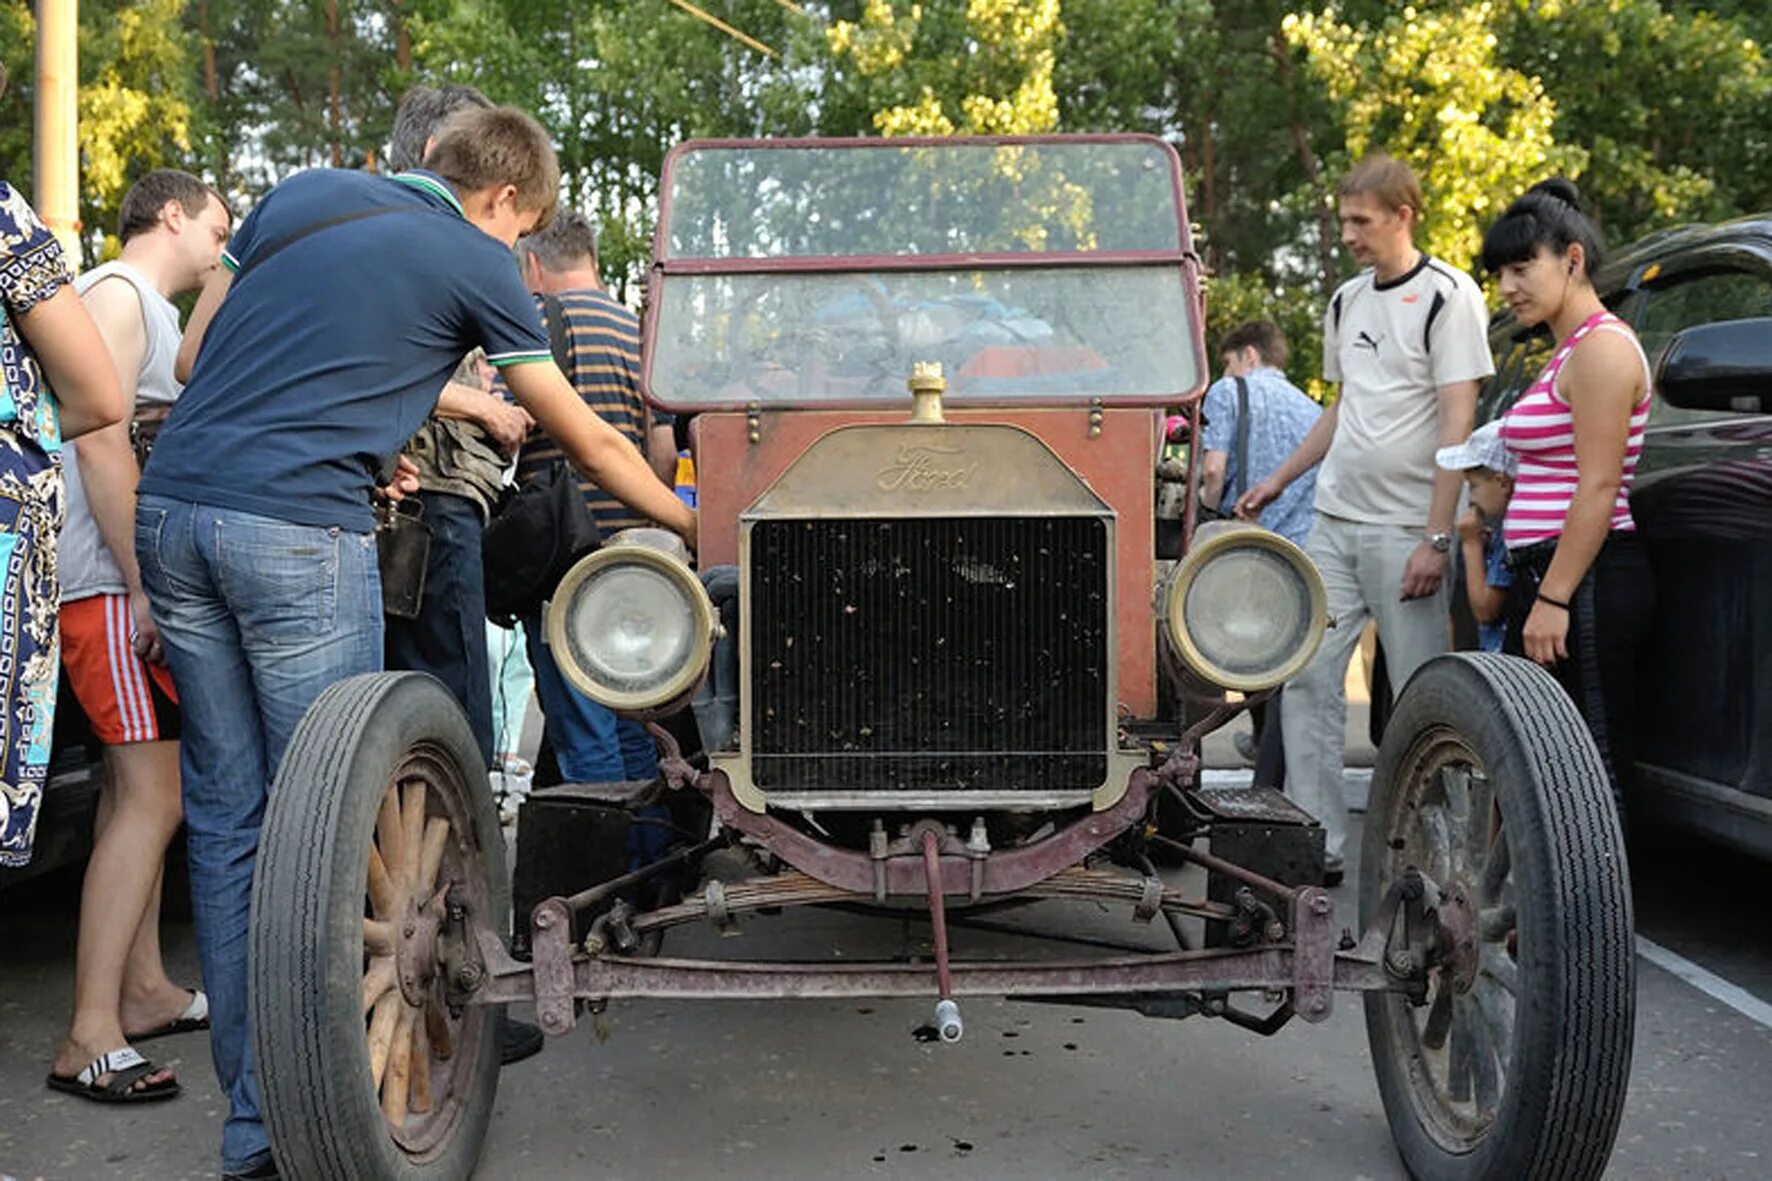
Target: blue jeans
pixel 258 617
pixel 448 639
pixel 716 701
pixel 592 744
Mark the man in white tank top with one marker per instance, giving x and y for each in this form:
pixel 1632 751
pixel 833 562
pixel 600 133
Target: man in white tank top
pixel 1407 340
pixel 173 228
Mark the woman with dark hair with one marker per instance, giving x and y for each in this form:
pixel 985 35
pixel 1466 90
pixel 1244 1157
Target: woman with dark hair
pixel 1582 593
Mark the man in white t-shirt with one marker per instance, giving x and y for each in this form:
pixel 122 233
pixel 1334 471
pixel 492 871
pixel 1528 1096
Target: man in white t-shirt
pixel 173 228
pixel 1407 339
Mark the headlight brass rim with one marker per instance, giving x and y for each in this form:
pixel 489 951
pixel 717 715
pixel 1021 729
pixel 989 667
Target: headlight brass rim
pixel 1210 542
pixel 701 610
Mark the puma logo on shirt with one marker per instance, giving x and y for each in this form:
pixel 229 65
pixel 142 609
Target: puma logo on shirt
pixel 1364 341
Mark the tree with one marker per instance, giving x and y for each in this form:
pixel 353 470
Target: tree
pixel 986 70
pixel 1670 106
pixel 1427 87
pixel 620 83
pixel 136 91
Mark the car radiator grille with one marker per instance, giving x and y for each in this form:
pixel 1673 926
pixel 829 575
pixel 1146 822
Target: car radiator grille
pixel 932 654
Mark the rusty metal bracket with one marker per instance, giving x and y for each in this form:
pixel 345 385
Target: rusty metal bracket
pixel 551 961
pixel 1313 954
pixel 1005 871
pixel 416 947
pixel 461 953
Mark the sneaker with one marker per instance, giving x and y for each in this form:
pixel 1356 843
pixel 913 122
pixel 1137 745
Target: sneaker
pixel 518 1040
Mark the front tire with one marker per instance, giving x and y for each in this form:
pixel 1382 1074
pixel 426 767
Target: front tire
pixel 379 807
pixel 1489 784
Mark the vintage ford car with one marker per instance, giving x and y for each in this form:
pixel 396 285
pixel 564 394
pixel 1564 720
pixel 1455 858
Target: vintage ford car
pixel 929 378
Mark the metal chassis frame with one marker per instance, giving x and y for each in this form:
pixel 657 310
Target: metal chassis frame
pixel 1308 967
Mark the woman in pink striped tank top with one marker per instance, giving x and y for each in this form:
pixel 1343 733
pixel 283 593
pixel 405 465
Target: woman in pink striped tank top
pixel 1583 593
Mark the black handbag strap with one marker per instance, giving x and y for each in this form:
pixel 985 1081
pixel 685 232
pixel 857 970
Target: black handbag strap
pixel 559 338
pixel 1242 441
pixel 279 245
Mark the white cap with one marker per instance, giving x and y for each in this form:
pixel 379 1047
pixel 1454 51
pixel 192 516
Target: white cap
pixel 1483 449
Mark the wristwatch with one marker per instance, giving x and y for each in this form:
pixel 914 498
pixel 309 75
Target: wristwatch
pixel 1442 542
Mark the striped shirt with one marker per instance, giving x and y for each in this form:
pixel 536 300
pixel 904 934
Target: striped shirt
pixel 1540 429
pixel 605 370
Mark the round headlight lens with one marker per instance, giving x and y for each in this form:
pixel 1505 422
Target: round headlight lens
pixel 1246 609
pixel 631 628
pixel 1248 612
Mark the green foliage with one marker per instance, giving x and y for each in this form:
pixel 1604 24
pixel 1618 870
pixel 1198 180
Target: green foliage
pixel 1298 310
pixel 1427 87
pixel 1655 106
pixel 986 70
pixel 1670 106
pixel 620 83
pixel 136 92
pixel 18 32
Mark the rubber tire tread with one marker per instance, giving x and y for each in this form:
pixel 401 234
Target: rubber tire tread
pixel 317 1101
pixel 1575 1016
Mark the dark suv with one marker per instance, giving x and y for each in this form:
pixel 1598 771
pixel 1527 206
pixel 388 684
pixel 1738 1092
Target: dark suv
pixel 1700 298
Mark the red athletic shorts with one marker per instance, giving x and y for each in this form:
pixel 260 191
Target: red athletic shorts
pixel 127 699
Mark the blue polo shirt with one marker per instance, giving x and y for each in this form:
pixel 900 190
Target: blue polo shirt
pixel 323 360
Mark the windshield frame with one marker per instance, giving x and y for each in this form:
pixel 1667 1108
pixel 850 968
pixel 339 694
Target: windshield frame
pixel 1183 256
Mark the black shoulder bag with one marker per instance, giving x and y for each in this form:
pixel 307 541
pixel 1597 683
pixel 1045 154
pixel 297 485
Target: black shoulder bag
pixel 540 528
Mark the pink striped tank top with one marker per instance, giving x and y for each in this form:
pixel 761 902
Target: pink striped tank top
pixel 1541 432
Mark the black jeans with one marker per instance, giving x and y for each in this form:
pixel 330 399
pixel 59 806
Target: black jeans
pixel 448 639
pixel 1270 748
pixel 1609 618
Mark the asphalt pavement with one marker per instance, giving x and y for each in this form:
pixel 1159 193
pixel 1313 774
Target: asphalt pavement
pixel 740 1091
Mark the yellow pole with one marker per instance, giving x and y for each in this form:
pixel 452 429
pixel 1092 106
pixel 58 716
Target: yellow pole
pixel 55 163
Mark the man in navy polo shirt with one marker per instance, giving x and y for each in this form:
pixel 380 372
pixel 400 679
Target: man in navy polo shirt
pixel 347 301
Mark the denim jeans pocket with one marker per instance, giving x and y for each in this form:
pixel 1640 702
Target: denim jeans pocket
pixel 150 555
pixel 281 580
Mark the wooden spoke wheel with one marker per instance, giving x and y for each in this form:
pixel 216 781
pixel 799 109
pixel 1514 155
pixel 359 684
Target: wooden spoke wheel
pixel 380 853
pixel 1489 789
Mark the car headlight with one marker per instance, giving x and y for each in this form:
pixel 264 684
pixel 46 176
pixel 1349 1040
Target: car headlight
pixel 630 625
pixel 1245 608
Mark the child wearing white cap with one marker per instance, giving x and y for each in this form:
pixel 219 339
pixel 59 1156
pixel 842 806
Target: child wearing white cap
pixel 1488 468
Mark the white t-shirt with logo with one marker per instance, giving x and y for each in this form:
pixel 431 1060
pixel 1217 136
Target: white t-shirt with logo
pixel 1392 345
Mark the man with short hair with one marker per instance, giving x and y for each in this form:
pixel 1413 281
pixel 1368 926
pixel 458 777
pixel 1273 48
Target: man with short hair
pixel 173 227
pixel 346 302
pixel 1280 417
pixel 1407 340
pixel 559 263
pixel 461 453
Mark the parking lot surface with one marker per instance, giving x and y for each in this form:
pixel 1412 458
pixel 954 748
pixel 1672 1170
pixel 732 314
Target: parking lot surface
pixel 739 1091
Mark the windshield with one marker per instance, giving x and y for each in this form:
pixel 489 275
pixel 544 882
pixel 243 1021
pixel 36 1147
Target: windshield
pixel 818 275
pixel 760 201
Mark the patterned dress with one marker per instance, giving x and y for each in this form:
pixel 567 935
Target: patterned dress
pixel 32 269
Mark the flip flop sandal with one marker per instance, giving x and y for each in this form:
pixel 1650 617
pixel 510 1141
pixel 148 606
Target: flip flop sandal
pixel 126 1068
pixel 195 1017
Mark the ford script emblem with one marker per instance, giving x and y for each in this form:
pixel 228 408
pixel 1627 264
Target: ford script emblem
pixel 922 468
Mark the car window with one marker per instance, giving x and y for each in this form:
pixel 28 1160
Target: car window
pixel 1514 371
pixel 1687 301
